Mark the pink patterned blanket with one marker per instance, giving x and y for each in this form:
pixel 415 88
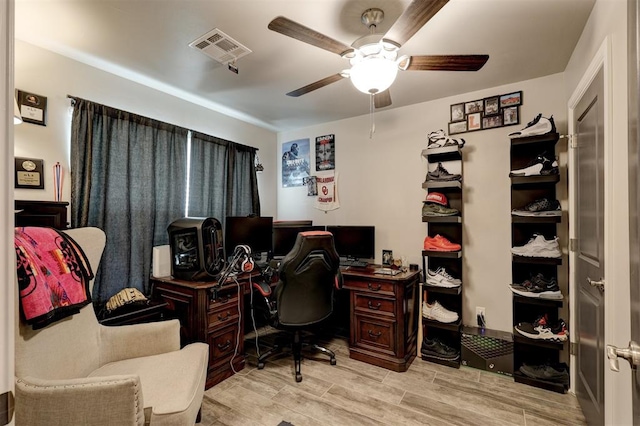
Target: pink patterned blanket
pixel 53 275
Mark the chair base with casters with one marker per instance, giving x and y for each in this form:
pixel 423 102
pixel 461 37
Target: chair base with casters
pixel 296 346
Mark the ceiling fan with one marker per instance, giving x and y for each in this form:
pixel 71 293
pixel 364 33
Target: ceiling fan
pixel 374 57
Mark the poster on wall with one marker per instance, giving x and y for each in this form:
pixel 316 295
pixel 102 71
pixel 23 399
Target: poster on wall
pixel 312 188
pixel 325 152
pixel 295 163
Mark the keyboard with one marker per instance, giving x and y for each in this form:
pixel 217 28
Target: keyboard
pixel 355 263
pixel 386 271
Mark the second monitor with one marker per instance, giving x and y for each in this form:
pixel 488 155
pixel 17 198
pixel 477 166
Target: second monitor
pixel 356 243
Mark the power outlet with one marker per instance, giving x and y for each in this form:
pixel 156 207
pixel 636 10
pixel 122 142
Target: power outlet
pixel 480 318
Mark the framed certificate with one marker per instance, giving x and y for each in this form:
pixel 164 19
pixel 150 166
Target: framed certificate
pixel 33 108
pixel 29 173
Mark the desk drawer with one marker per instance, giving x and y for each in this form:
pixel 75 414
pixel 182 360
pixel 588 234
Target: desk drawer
pixel 224 314
pixel 222 343
pixel 366 303
pixel 386 288
pixel 376 334
pixel 224 297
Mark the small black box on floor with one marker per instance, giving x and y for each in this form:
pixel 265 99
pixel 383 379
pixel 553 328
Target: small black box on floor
pixel 489 350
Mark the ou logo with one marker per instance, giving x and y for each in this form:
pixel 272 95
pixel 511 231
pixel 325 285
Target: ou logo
pixel 325 190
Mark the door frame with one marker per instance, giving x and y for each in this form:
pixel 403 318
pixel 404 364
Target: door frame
pixel 7 258
pixel 617 398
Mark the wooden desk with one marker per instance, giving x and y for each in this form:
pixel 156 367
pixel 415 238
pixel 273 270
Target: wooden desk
pixel 218 322
pixel 383 317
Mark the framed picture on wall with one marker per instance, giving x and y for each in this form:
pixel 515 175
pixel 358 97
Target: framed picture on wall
pixel 457 112
pixel 474 121
pixel 474 106
pixel 511 99
pixel 510 116
pixel 33 108
pixel 491 121
pixel 492 106
pixel 29 173
pixel 457 127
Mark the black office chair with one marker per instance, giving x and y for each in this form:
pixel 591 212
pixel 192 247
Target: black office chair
pixel 308 277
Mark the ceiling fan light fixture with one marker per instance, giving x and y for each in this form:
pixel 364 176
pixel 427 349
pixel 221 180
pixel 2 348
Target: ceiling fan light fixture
pixel 373 74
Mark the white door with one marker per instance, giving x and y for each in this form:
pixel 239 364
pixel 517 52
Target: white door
pixel 589 131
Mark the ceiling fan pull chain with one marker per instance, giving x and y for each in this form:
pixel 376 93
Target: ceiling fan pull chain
pixel 371 110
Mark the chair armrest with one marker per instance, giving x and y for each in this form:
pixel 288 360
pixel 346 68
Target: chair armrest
pixel 138 340
pixel 339 280
pixel 263 287
pixel 94 400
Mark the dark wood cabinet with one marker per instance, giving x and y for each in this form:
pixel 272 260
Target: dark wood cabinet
pixel 52 214
pixel 383 317
pixel 205 317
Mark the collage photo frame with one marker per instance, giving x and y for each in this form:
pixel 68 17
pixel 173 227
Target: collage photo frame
pixel 487 113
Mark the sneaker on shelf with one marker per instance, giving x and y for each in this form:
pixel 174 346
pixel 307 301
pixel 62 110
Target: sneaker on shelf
pixel 540 207
pixel 539 166
pixel 439 139
pixel 437 312
pixel 556 373
pixel 538 126
pixel 441 278
pixel 440 243
pixel 538 287
pixel 440 174
pixel 431 209
pixel 538 246
pixel 542 330
pixel 434 348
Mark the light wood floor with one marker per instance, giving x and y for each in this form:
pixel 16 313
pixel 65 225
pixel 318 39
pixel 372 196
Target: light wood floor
pixel 356 393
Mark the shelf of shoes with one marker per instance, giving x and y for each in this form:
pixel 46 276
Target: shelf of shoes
pixel 442 266
pixel 538 332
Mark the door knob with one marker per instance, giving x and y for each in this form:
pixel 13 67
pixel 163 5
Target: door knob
pixel 631 354
pixel 598 284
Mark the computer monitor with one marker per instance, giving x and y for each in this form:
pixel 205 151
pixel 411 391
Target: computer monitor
pixel 284 238
pixel 254 231
pixel 354 242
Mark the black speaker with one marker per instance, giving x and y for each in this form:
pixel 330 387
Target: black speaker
pixel 197 248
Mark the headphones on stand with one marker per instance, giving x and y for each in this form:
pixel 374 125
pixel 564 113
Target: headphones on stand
pixel 244 262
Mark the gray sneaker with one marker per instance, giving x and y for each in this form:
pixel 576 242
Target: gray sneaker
pixel 539 207
pixel 434 348
pixel 442 175
pixel 557 373
pixel 433 209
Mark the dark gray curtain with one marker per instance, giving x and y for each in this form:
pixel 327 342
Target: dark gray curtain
pixel 128 177
pixel 222 178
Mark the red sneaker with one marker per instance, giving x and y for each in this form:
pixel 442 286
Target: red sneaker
pixel 440 243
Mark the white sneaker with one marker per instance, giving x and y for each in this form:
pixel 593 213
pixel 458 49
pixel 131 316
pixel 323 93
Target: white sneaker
pixel 440 278
pixel 538 126
pixel 437 312
pixel 538 246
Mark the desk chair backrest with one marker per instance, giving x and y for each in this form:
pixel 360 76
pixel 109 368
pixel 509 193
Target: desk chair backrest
pixel 308 277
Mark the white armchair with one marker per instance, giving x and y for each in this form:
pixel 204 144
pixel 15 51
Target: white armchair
pixel 78 372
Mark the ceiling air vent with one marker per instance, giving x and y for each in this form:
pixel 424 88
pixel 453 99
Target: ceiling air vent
pixel 219 46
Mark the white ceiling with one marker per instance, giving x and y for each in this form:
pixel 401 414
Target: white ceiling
pixel 147 41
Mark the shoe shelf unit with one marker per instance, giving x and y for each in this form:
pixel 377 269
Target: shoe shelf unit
pixel 524 190
pixel 449 227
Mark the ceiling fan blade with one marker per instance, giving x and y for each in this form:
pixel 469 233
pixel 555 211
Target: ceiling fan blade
pixel 316 85
pixel 382 99
pixel 412 19
pixel 447 62
pixel 292 29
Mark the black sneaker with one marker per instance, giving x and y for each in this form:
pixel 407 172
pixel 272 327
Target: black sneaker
pixel 542 165
pixel 539 207
pixel 434 348
pixel 441 174
pixel 556 373
pixel 538 287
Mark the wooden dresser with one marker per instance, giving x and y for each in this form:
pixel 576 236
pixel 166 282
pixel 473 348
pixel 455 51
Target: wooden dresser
pixel 217 322
pixel 383 317
pixel 41 213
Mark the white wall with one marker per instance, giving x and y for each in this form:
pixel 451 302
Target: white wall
pixel 55 76
pixel 608 24
pixel 380 184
